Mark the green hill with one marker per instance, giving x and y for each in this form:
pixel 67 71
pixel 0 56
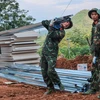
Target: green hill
pixel 81 20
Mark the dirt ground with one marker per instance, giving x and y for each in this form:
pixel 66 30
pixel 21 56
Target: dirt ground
pixel 20 91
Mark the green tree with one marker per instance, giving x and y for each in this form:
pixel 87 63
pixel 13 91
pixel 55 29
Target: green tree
pixel 78 37
pixel 11 16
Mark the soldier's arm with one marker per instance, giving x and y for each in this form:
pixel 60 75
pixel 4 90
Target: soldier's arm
pixel 92 36
pixel 98 27
pixel 46 23
pixel 56 34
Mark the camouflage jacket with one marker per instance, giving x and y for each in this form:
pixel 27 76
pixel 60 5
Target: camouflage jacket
pixel 53 38
pixel 95 38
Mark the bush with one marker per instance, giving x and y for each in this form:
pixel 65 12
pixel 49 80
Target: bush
pixel 72 52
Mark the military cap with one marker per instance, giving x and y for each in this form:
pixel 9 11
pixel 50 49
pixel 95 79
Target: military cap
pixel 94 10
pixel 71 24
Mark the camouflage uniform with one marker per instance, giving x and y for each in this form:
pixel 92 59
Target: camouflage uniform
pixel 95 50
pixel 49 54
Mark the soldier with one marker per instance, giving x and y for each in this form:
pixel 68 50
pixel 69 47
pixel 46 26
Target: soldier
pixel 50 51
pixel 94 14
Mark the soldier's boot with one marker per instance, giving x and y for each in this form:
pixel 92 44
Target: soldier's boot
pixel 90 91
pixel 61 87
pixel 98 96
pixel 49 91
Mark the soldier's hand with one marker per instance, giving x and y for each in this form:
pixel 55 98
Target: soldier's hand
pixel 94 60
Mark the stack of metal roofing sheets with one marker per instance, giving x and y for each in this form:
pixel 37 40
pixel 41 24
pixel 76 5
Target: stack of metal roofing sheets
pixel 73 80
pixel 20 48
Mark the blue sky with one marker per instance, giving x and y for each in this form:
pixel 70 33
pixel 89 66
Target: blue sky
pixel 48 9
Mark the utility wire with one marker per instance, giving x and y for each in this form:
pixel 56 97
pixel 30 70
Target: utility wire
pixel 66 7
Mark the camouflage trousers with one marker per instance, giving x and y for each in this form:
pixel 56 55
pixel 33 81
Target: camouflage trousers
pixel 49 74
pixel 95 84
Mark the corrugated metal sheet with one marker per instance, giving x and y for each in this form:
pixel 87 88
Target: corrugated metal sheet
pixel 73 80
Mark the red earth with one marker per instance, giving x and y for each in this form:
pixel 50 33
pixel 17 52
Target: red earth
pixel 21 91
pixel 72 64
